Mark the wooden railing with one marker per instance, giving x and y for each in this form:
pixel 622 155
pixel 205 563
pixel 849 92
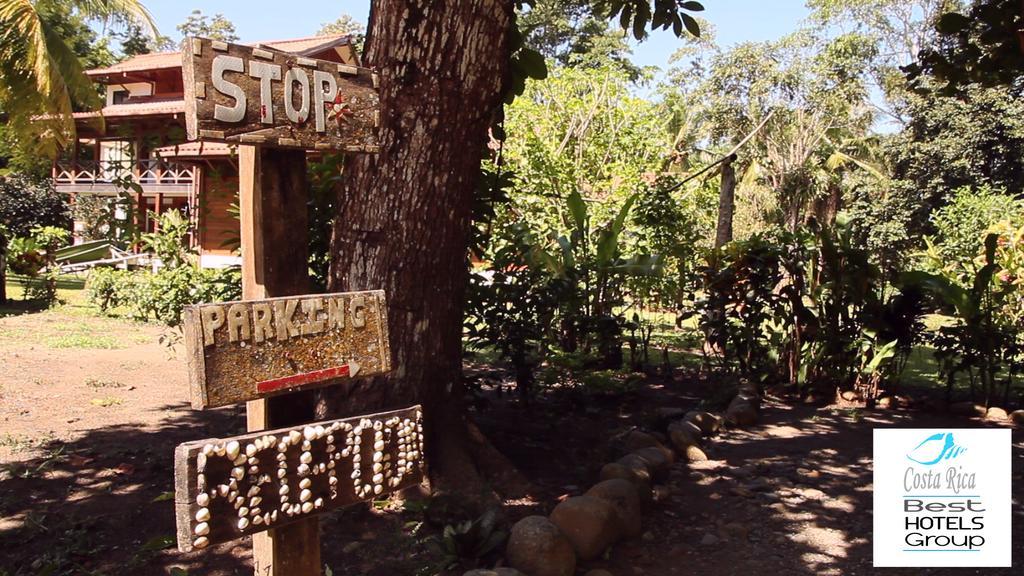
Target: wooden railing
pixel 151 173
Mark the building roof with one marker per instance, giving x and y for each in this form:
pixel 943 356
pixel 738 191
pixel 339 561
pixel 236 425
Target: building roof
pixel 166 60
pixel 137 109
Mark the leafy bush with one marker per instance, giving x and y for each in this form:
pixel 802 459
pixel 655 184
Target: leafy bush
pixel 961 224
pixel 34 257
pixel 170 243
pixel 983 343
pixel 471 542
pixel 25 205
pixel 807 308
pixel 162 296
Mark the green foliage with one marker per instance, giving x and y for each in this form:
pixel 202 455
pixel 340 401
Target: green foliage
pixel 216 27
pixel 511 308
pixel 961 224
pixel 25 204
pixel 951 143
pixel 807 308
pixel 981 342
pixel 44 50
pixel 979 46
pixel 636 15
pixel 33 257
pixel 169 244
pixel 162 295
pixel 571 34
pixel 472 541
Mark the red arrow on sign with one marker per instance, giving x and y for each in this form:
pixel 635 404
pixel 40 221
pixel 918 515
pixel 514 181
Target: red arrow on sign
pixel 296 380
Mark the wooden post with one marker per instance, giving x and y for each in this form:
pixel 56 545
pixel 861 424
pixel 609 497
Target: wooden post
pixel 274 235
pixel 726 203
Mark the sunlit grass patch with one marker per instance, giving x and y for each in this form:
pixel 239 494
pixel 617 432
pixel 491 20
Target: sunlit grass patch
pixel 87 341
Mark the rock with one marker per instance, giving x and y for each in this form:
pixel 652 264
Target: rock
pixel 667 413
pixel 588 522
pixel 695 454
pixel 503 571
pixel 635 440
pixel 622 496
pixel 351 547
pixel 598 572
pixel 658 461
pixel 741 412
pixel 640 480
pixel 885 402
pixel 637 463
pixel 1017 417
pixel 997 414
pixel 850 396
pixel 706 421
pixel 735 531
pixel 709 539
pixel 682 439
pixel 967 409
pixel 536 546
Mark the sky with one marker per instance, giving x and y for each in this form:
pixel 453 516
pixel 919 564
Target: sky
pixel 258 20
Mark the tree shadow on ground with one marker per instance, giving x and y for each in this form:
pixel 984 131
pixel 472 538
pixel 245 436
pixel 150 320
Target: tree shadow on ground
pixel 791 496
pixel 103 504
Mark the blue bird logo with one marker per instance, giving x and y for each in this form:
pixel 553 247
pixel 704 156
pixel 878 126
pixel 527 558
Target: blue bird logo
pixel 936 448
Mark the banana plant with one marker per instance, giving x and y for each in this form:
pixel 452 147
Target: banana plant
pixel 587 268
pixel 977 343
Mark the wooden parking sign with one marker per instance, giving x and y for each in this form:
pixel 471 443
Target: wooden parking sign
pixel 239 351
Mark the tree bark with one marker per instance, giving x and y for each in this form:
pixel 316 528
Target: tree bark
pixel 404 214
pixel 726 204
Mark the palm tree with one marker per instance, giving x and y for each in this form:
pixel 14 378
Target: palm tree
pixel 41 77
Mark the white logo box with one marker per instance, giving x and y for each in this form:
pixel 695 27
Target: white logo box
pixel 942 497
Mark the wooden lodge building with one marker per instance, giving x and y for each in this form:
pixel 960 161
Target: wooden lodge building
pixel 141 138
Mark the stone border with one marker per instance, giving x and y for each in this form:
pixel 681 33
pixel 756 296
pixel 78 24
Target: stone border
pixel 583 527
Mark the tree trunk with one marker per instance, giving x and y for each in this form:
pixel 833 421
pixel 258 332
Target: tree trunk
pixel 726 204
pixel 404 214
pixel 3 269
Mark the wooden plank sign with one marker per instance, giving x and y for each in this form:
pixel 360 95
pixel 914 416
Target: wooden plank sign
pixel 258 95
pixel 239 351
pixel 227 488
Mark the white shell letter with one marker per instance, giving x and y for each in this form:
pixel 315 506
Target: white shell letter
pixel 266 72
pixel 325 88
pixel 222 64
pixel 291 76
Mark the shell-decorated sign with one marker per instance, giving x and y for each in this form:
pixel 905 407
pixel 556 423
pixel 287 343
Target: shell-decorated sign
pixel 229 487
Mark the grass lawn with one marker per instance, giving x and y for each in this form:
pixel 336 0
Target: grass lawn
pixel 72 323
pixel 70 292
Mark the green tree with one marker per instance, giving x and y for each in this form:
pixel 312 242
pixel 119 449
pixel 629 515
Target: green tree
pixel 44 48
pixel 346 24
pixel 421 188
pixel 571 33
pixel 135 40
pixel 978 46
pixel 899 29
pixel 952 142
pixel 796 104
pixel 216 27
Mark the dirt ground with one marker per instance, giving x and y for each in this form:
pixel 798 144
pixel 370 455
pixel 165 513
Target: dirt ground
pixel 91 409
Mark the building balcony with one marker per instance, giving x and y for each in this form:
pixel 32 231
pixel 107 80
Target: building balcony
pixel 156 177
